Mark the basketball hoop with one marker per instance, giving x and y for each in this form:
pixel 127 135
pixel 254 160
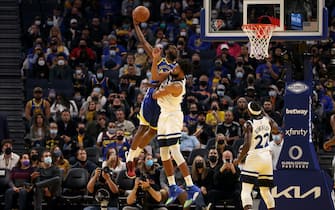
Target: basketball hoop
pixel 259 37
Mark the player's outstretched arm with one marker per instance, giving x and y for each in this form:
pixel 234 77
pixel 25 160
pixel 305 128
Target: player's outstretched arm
pixel 146 45
pixel 174 89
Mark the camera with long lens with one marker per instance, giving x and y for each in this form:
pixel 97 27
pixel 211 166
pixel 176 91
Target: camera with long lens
pixel 107 171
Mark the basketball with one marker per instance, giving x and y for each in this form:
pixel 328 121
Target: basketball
pixel 141 14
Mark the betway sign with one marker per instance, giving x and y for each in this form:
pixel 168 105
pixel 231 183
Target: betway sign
pixel 296 111
pixel 295 192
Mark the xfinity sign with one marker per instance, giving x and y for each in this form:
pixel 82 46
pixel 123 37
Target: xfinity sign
pixel 295 192
pixel 297 87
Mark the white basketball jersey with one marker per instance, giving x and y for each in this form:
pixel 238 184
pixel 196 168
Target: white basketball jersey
pixel 261 130
pixel 170 103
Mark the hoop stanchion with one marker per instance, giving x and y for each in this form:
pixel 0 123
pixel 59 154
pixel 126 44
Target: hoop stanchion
pixel 259 36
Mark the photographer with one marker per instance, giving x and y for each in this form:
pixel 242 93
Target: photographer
pixel 103 187
pixel 146 193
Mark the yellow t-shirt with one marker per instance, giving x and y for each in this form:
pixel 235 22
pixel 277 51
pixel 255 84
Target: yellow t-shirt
pixel 211 119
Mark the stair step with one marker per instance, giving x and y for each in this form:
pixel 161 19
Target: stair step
pixel 10 43
pixel 10 35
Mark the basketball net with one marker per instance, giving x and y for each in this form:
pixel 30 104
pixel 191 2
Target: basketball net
pixel 259 37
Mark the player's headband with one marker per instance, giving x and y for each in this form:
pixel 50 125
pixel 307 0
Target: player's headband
pixel 253 112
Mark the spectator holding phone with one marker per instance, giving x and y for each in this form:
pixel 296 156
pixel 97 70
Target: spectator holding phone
pixel 226 182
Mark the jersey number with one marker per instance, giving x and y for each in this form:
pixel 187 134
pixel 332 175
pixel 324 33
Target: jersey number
pixel 262 141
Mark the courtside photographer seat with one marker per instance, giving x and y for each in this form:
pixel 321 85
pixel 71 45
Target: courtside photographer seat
pixel 74 186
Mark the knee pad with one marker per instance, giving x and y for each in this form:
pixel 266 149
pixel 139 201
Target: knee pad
pixel 267 197
pixel 176 154
pixel 246 194
pixel 165 153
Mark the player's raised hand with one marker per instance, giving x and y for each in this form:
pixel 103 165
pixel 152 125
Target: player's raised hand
pixel 156 52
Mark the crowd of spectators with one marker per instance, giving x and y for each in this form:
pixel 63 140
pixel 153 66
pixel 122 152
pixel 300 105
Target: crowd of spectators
pixel 92 45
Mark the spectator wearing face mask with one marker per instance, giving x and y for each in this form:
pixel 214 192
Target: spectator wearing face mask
pixel 202 176
pixel 214 158
pixel 53 139
pixel 40 69
pixel 106 137
pixel 113 54
pixel 80 80
pixel 61 70
pixel 121 145
pixel 19 176
pixel 141 58
pixel 226 181
pixel 47 179
pixel 82 54
pixel 80 140
pixel 100 80
pixel 276 146
pixel 188 142
pixel 276 99
pixel 8 159
pixel 195 43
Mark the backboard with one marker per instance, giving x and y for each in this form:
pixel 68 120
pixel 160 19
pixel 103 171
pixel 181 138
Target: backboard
pixel 295 19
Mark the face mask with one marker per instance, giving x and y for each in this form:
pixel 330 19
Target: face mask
pixel 34 157
pixel 162 25
pixel 53 131
pixel 117 106
pixel 194 112
pixel 148 74
pixel 144 25
pixel 196 62
pixel 203 83
pixel 48 160
pixel 221 142
pixel 197 30
pixel 111 130
pixel 81 130
pixel 50 23
pixel 183 33
pixel 239 63
pixel 140 50
pixel 41 62
pixel 112 52
pixel 25 162
pixel 95 98
pixel 37 22
pixel 97 90
pixel 8 151
pixel 61 62
pixel 77 98
pixel 272 93
pixel 58 153
pixel 239 75
pixel 100 75
pixel 276 138
pixel 119 137
pixel 149 163
pixel 220 93
pixel 52 95
pixel 146 4
pixel 199 165
pixel 212 158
